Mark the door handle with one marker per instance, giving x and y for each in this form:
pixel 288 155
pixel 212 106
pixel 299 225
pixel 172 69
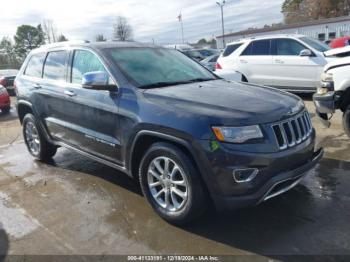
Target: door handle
pixel 279 61
pixel 36 86
pixel 243 61
pixel 69 93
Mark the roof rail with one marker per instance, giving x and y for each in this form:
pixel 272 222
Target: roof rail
pixel 58 44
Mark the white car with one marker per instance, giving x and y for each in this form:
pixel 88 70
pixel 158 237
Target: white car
pixel 229 75
pixel 290 62
pixel 334 90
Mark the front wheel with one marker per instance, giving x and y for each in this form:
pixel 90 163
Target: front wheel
pixel 35 140
pixel 346 121
pixel 6 110
pixel 171 184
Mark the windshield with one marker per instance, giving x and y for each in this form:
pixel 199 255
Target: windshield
pixel 207 52
pixel 194 54
pixel 147 67
pixel 318 45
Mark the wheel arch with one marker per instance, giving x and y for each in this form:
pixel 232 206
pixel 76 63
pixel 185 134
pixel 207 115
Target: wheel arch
pixel 23 108
pixel 142 142
pixel 144 139
pixel 345 100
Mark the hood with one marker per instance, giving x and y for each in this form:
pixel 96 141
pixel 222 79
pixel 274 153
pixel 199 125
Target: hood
pixel 338 52
pixel 227 102
pixel 337 63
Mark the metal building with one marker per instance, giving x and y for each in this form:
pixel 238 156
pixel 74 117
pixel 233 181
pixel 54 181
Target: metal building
pixel 324 30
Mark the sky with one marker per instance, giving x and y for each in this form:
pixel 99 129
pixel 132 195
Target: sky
pixel 151 19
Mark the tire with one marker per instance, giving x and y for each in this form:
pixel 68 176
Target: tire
pixel 244 79
pixel 346 121
pixel 6 110
pixel 179 210
pixel 35 140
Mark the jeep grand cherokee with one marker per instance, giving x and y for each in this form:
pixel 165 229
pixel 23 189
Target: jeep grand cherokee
pixel 188 137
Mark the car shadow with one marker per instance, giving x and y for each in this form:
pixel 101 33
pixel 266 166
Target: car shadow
pixel 75 162
pixel 4 243
pixel 298 222
pixel 295 223
pixel 305 96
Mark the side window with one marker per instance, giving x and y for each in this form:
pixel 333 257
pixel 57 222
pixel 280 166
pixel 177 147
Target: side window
pixel 55 65
pixel 260 47
pixel 85 62
pixel 35 65
pixel 214 59
pixel 248 50
pixel 287 47
pixel 230 49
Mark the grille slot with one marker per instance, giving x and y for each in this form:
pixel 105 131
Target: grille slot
pixel 293 131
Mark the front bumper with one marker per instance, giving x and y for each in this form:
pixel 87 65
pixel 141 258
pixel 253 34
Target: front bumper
pixel 275 186
pixel 326 103
pixel 5 102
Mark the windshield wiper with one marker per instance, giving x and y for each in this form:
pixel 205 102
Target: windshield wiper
pixel 164 84
pixel 200 80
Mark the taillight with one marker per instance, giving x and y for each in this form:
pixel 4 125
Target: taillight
pixel 218 66
pixel 3 81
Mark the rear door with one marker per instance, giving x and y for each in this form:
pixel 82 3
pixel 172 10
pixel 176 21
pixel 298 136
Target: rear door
pixel 255 62
pixel 54 101
pixel 293 71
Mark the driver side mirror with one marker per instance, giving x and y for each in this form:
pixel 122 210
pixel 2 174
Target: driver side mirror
pixel 305 52
pixel 97 81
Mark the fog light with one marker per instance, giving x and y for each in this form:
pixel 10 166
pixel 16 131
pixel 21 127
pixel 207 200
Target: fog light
pixel 322 90
pixel 245 175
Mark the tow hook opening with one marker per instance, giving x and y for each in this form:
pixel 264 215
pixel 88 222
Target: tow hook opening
pixel 244 175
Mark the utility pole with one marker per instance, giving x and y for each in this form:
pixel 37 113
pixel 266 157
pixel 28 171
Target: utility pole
pixel 182 27
pixel 221 5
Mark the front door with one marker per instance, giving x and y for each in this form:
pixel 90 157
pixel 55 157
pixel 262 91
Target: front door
pixel 293 71
pixel 93 114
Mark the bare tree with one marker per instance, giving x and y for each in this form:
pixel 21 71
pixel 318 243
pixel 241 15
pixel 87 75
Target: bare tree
pixel 122 30
pixel 305 10
pixel 62 38
pixel 100 38
pixel 50 31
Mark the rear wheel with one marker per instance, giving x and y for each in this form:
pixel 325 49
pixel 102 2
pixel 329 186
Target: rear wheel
pixel 171 184
pixel 346 121
pixel 35 140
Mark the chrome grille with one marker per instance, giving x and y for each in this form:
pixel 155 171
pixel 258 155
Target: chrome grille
pixel 293 131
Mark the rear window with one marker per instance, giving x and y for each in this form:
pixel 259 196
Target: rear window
pixel 230 49
pixel 260 47
pixel 55 65
pixel 35 65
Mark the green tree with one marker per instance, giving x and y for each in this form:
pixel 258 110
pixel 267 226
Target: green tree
pixel 28 38
pixel 8 58
pixel 202 41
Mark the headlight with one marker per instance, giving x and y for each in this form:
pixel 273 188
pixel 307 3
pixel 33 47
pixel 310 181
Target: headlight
pixel 2 90
pixel 327 77
pixel 237 134
pixel 327 84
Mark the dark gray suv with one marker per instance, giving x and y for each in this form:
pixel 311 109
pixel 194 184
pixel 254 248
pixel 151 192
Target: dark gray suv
pixel 188 137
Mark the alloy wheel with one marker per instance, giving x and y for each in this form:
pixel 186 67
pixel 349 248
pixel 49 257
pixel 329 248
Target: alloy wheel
pixel 167 183
pixel 32 138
